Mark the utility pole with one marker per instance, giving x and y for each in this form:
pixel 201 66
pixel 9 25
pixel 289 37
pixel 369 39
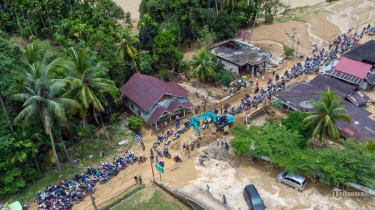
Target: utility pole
pixel 153 175
pixel 255 20
pixel 294 32
pixel 92 198
pixel 297 48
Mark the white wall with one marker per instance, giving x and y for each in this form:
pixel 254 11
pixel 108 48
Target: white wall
pixel 230 66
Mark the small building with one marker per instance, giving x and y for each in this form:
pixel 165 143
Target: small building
pixel 361 127
pixel 157 102
pixel 241 56
pixel 357 66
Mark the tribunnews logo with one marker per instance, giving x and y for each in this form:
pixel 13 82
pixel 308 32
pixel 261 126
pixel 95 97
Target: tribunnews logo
pixel 344 193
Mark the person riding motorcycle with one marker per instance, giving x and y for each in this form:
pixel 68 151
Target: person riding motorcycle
pixel 158 150
pixel 169 132
pixel 142 158
pixel 176 135
pixel 166 152
pixel 161 163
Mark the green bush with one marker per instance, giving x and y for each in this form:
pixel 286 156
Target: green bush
pixel 135 123
pixel 225 77
pixel 288 52
pixel 164 75
pixel 278 104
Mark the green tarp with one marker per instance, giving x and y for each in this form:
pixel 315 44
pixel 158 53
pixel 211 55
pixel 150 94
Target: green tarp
pixel 14 206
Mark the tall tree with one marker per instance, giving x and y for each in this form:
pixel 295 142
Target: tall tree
pixel 166 54
pixel 40 97
pixel 126 46
pixel 202 64
pixel 326 113
pixel 87 82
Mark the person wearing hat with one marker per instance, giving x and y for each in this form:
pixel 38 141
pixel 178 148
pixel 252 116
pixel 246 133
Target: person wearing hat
pixel 135 178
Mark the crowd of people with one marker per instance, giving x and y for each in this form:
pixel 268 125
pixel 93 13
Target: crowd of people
pixel 323 57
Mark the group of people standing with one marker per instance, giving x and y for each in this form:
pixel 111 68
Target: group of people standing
pixel 221 142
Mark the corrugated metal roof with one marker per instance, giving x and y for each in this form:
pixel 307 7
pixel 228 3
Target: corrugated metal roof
pixel 371 76
pixel 346 77
pixel 187 104
pixel 365 52
pixel 323 82
pixel 358 98
pixel 173 106
pixel 353 67
pixel 145 90
pixel 157 114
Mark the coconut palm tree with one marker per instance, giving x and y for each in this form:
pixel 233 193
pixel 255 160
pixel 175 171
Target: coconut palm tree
pixel 230 4
pixel 87 82
pixel 125 47
pixel 326 113
pixel 202 64
pixel 32 52
pixel 40 96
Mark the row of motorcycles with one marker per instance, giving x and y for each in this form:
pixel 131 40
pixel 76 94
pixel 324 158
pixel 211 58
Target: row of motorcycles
pixel 165 152
pixel 64 195
pixel 73 191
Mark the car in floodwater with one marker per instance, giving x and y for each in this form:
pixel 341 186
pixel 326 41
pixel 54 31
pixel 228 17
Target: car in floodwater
pixel 294 180
pixel 252 198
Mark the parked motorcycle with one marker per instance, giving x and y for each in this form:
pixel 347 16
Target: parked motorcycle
pixel 177 158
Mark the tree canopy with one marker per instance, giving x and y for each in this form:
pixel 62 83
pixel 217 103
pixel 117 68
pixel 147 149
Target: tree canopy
pixel 326 113
pixel 335 165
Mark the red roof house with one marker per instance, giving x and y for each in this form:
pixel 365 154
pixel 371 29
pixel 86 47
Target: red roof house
pixel 358 66
pixel 154 100
pixel 351 71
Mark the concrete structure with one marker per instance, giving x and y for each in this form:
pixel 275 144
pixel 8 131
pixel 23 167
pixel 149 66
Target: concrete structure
pixel 238 56
pixel 157 102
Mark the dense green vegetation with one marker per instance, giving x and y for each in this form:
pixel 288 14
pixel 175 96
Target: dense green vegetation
pixel 293 123
pixel 333 165
pixel 286 144
pixel 54 92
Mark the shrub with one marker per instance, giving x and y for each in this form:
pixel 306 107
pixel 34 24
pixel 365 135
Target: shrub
pixel 135 123
pixel 288 52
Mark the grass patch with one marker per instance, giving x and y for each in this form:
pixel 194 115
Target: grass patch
pixel 287 17
pixel 157 201
pixel 125 196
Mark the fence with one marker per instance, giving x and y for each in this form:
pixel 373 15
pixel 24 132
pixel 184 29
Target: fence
pixel 189 201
